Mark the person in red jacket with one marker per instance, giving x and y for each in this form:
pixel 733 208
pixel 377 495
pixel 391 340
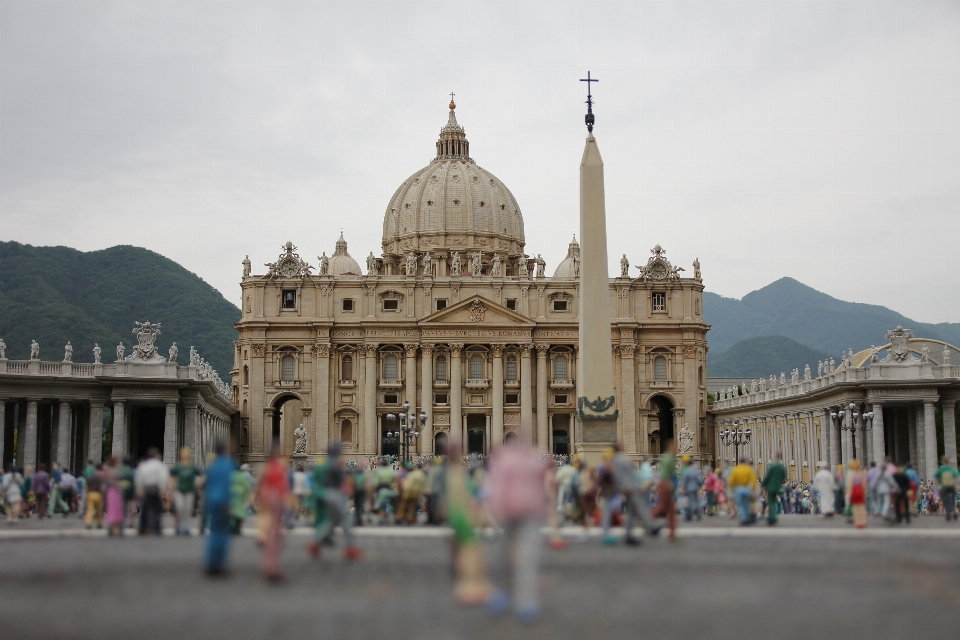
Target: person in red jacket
pixel 273 491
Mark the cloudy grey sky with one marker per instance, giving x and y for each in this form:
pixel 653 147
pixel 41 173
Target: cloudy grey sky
pixel 818 140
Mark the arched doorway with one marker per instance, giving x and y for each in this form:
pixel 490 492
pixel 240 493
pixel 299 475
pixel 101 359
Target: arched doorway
pixel 476 433
pixel 661 424
pixel 440 444
pixel 389 445
pixel 286 415
pixel 561 434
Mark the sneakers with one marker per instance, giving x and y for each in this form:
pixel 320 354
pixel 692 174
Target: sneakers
pixel 313 549
pixel 609 541
pixel 352 553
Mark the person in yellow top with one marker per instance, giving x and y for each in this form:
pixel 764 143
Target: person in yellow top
pixel 742 481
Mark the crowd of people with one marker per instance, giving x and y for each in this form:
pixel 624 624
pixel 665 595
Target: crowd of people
pixel 514 491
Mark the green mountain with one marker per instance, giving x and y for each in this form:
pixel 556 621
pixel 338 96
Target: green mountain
pixel 763 356
pixel 791 309
pixel 56 294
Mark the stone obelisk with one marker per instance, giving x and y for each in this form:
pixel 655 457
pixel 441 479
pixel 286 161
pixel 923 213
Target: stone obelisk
pixel 596 401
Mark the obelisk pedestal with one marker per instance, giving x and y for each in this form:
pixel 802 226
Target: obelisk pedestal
pixel 596 400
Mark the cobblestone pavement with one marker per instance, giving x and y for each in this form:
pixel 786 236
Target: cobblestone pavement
pixel 800 580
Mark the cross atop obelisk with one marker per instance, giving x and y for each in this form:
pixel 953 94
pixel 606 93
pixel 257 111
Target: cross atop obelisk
pixel 596 400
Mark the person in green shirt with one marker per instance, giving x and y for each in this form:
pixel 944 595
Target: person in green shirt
pixel 241 488
pixel 183 481
pixel 772 483
pixel 946 477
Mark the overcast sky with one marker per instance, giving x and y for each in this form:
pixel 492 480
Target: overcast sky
pixel 817 140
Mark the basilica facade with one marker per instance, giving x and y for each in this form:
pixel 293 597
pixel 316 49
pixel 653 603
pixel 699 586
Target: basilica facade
pixel 454 318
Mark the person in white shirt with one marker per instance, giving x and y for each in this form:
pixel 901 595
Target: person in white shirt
pixel 151 481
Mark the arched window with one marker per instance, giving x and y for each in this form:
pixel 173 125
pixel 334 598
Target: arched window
pixel 659 368
pixel 346 430
pixel 441 367
pixel 512 368
pixel 287 368
pixel 560 368
pixel 346 368
pixel 476 367
pixel 390 367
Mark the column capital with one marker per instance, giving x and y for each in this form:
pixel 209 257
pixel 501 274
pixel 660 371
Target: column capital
pixel 945 402
pixel 321 350
pixel 427 348
pixel 525 350
pixel 455 349
pixel 627 350
pixel 542 350
pixel 369 350
pixel 411 350
pixel 497 350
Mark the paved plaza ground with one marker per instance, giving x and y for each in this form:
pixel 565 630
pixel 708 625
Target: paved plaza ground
pixel 805 578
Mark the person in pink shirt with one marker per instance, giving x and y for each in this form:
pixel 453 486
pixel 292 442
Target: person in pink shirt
pixel 712 486
pixel 517 498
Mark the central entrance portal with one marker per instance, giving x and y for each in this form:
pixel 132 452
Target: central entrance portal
pixel 146 430
pixel 476 433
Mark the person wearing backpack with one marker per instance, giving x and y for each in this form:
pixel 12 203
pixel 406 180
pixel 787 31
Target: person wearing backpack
pixel 10 489
pixel 946 477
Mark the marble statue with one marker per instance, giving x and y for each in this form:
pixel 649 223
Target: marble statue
pixel 833 366
pixel 783 379
pixel 497 267
pixel 324 264
pixel 522 267
pixel 120 350
pixel 246 266
pixel 762 385
pixel 685 441
pixel 3 349
pixel 753 386
pixel 68 352
pixel 300 446
pixel 411 264
pixel 820 369
pixel 946 354
pixel 924 353
pixel 371 264
pixel 194 357
pixel 850 359
pixel 874 354
pixel 576 266
pixel 455 266
pixel 624 267
pixel 795 376
pixel 476 263
pixel 541 266
pixel 34 350
pixel 696 269
pixel 96 353
pixel 172 353
pixel 806 372
pixel 427 261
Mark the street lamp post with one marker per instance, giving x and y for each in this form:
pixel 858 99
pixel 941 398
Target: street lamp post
pixel 736 437
pixel 408 432
pixel 860 422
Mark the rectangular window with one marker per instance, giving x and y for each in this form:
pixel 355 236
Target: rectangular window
pixel 511 369
pixel 560 399
pixel 390 398
pixel 659 302
pixel 390 367
pixel 440 398
pixel 559 305
pixel 289 297
pixel 512 398
pixel 348 304
pixel 512 304
pixel 441 303
pixel 442 368
pixel 391 305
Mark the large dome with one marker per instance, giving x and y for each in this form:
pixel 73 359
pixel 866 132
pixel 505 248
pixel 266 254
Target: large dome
pixel 453 204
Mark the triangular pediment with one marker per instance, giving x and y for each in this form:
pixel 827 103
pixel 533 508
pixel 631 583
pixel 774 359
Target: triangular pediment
pixel 477 310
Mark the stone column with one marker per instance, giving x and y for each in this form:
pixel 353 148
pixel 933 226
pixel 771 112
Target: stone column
pixel 95 428
pixel 426 397
pixel 456 394
pixel 30 436
pixel 191 426
pixel 526 395
pixel 63 435
pixel 324 430
pixel 410 376
pixel 930 440
pixel 496 432
pixel 912 437
pixel 370 402
pixel 825 429
pixel 543 423
pixel 847 437
pixel 119 446
pixel 628 391
pixel 3 425
pixel 878 436
pixel 949 430
pixel 170 453
pixel 919 420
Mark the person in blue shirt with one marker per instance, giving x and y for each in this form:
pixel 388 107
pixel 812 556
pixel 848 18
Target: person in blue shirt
pixel 217 505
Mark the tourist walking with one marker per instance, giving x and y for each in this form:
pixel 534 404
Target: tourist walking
pixel 329 481
pixel 183 483
pixel 634 487
pixel 946 478
pixel 902 496
pixel 217 488
pixel 127 484
pixel 857 493
pixel 518 500
pixel 412 488
pixel 272 492
pixel 41 489
pixel 241 490
pixel 772 483
pixel 742 481
pixel 886 485
pixel 95 489
pixel 11 486
pixel 68 491
pixel 113 497
pixel 151 480
pixel 665 490
pixel 691 481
